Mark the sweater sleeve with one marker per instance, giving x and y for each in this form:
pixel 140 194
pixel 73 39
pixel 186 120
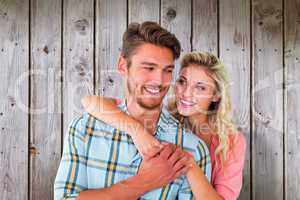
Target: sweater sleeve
pixel 229 183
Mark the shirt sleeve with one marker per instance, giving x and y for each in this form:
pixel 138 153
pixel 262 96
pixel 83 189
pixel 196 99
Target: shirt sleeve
pixel 229 183
pixel 71 177
pixel 201 155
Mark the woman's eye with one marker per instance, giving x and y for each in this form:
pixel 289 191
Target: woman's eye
pixel 201 88
pixel 180 81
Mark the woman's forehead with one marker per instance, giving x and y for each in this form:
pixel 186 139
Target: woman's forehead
pixel 196 73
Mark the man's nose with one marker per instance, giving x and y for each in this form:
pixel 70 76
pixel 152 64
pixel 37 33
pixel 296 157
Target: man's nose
pixel 157 77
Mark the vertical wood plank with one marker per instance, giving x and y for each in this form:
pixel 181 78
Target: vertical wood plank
pixel 14 76
pixel 205 26
pixel 111 24
pixel 78 21
pixel 176 17
pixel 235 54
pixel 267 99
pixel 143 10
pixel 292 98
pixel 45 126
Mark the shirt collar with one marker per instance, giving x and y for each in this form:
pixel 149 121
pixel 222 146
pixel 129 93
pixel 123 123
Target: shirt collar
pixel 165 122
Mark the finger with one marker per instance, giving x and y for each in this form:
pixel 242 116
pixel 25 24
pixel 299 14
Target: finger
pixel 177 155
pixel 181 163
pixel 189 153
pixel 182 171
pixel 167 151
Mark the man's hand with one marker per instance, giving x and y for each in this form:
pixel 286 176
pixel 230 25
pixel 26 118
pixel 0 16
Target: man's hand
pixel 160 170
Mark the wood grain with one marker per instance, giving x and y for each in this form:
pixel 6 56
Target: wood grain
pixel 143 10
pixel 205 26
pixel 45 126
pixel 78 47
pixel 14 91
pixel 176 17
pixel 292 98
pixel 111 24
pixel 235 54
pixel 267 94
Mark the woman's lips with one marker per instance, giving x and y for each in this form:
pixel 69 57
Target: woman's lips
pixel 186 103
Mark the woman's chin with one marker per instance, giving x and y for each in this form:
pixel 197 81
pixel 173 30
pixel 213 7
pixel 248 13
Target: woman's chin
pixel 184 112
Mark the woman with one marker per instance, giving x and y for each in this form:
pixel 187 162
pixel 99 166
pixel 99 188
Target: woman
pixel 202 103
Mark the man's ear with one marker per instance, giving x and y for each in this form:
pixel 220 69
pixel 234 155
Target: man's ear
pixel 122 66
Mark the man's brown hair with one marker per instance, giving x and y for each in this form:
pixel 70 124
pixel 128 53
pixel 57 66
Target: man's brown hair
pixel 148 32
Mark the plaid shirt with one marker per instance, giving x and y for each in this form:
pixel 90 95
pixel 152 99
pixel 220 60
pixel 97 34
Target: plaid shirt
pixel 96 155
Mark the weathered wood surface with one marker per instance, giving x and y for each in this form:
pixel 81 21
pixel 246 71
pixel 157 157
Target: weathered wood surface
pixel 267 108
pixel 176 17
pixel 205 32
pixel 78 62
pixel 14 92
pixel 292 98
pixel 143 10
pixel 45 120
pixel 235 53
pixel 111 23
pixel 84 37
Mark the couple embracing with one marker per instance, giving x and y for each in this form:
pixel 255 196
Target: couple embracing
pixel 139 148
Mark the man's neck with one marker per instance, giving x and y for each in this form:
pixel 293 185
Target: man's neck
pixel 148 118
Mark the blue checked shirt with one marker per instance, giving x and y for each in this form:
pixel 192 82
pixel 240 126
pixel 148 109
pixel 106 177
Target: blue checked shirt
pixel 96 155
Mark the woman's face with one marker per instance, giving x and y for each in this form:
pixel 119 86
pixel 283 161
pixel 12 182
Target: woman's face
pixel 195 90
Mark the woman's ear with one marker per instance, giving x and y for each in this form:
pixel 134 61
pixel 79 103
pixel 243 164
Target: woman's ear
pixel 216 98
pixel 122 66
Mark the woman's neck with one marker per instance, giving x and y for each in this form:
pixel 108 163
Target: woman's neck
pixel 200 127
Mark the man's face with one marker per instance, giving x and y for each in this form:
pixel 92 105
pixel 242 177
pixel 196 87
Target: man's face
pixel 149 75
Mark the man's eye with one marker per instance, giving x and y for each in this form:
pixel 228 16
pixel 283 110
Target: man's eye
pixel 169 70
pixel 149 68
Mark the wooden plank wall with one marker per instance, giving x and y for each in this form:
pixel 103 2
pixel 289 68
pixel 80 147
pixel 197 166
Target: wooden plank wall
pixel 54 52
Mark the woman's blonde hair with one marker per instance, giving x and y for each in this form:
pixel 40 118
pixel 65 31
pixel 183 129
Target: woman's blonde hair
pixel 220 112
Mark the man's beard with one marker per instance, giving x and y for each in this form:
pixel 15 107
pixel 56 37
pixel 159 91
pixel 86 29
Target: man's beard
pixel 140 100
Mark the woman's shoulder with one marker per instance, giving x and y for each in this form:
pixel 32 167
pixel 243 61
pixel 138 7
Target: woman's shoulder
pixel 237 148
pixel 239 142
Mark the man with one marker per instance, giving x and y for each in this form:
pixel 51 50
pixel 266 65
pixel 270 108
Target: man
pixel 101 162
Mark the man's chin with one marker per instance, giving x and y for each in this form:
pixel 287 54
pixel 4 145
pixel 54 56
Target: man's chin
pixel 149 104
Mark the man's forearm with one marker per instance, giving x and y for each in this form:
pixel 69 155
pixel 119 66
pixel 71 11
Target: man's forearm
pixel 129 189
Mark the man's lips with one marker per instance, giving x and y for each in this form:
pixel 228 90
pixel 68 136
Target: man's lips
pixel 153 90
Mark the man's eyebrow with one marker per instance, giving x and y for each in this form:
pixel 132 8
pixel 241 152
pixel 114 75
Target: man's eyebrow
pixel 170 66
pixel 149 63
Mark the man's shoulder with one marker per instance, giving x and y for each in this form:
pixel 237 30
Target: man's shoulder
pixel 86 123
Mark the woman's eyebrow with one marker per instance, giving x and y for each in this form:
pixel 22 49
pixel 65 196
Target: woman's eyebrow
pixel 204 83
pixel 182 76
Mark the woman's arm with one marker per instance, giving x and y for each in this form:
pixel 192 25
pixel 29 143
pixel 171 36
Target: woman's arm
pixel 106 110
pixel 201 187
pixel 227 185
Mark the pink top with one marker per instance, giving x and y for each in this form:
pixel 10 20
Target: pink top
pixel 228 183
